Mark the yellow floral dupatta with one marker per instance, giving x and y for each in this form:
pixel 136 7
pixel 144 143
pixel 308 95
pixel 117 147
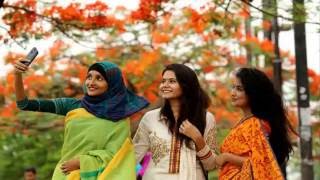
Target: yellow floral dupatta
pixel 248 140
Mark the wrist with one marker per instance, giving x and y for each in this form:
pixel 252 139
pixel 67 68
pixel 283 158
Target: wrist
pixel 196 137
pixel 226 157
pixel 200 143
pixel 17 73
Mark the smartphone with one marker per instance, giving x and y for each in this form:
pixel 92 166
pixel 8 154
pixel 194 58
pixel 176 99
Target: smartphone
pixel 30 57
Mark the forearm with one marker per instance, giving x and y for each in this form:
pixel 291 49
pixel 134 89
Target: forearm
pixel 40 105
pixel 19 89
pixel 199 142
pixel 234 159
pixel 207 158
pixel 205 154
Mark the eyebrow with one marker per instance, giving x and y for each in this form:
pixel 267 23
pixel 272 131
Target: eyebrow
pixel 90 74
pixel 169 79
pixel 238 86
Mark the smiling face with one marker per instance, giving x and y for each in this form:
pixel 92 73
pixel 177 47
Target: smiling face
pixel 169 86
pixel 238 95
pixel 95 83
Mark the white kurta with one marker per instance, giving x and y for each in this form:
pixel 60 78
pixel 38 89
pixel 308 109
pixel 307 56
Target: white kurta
pixel 153 135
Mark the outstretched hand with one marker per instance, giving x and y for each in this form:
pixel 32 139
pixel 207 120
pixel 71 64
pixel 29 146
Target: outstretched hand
pixel 70 165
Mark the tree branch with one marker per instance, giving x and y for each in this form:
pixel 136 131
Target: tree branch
pixel 226 12
pixel 19 44
pixel 275 15
pixel 60 25
pixel 229 2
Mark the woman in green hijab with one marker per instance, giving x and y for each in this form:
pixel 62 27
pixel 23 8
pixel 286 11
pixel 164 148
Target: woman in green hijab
pixel 97 142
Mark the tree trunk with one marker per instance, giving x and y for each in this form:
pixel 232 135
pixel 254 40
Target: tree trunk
pixel 303 92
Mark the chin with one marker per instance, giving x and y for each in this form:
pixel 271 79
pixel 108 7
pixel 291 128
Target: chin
pixel 234 104
pixel 92 94
pixel 166 97
pixel 170 97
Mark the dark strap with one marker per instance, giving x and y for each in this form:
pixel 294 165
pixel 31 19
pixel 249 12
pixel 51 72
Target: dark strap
pixel 205 173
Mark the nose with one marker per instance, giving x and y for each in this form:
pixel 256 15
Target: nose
pixel 90 82
pixel 233 92
pixel 164 84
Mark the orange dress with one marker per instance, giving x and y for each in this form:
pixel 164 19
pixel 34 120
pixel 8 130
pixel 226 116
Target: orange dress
pixel 248 140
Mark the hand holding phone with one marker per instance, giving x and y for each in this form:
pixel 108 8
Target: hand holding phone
pixel 30 57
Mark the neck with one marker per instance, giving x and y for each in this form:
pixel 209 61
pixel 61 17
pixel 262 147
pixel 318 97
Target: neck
pixel 246 112
pixel 175 107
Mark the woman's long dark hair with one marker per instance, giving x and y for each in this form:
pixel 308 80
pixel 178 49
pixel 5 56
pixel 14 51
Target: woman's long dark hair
pixel 194 101
pixel 266 104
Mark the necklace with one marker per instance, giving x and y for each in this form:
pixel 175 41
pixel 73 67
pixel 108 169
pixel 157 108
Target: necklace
pixel 242 120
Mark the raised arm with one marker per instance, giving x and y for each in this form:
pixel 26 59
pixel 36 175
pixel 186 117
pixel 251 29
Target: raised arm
pixel 205 145
pixel 19 68
pixel 59 106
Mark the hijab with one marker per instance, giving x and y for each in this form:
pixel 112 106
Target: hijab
pixel 117 102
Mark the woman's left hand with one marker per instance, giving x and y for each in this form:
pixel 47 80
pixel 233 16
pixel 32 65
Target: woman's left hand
pixel 189 130
pixel 70 165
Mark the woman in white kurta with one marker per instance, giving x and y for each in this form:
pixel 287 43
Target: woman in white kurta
pixel 178 151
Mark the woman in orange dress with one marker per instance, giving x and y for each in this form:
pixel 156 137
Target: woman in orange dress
pixel 258 145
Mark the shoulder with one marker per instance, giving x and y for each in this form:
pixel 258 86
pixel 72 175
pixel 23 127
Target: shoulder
pixel 153 114
pixel 250 125
pixel 66 104
pixel 252 121
pixel 150 118
pixel 210 118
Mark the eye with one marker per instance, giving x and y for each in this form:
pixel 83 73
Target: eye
pixel 172 81
pixel 100 78
pixel 89 77
pixel 239 88
pixel 163 81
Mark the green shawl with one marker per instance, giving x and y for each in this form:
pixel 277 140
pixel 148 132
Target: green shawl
pixel 104 148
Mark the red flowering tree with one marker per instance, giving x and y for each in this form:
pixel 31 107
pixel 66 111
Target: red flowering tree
pixel 211 39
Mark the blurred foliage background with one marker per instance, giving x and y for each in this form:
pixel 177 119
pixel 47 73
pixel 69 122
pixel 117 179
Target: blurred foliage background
pixel 213 37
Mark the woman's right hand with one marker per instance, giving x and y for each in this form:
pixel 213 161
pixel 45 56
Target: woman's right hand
pixel 19 67
pixel 230 158
pixel 220 160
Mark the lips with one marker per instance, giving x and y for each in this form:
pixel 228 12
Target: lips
pixel 92 88
pixel 166 91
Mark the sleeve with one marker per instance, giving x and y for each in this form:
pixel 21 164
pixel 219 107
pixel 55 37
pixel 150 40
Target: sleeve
pixel 261 162
pixel 59 106
pixel 117 157
pixel 208 153
pixel 141 139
